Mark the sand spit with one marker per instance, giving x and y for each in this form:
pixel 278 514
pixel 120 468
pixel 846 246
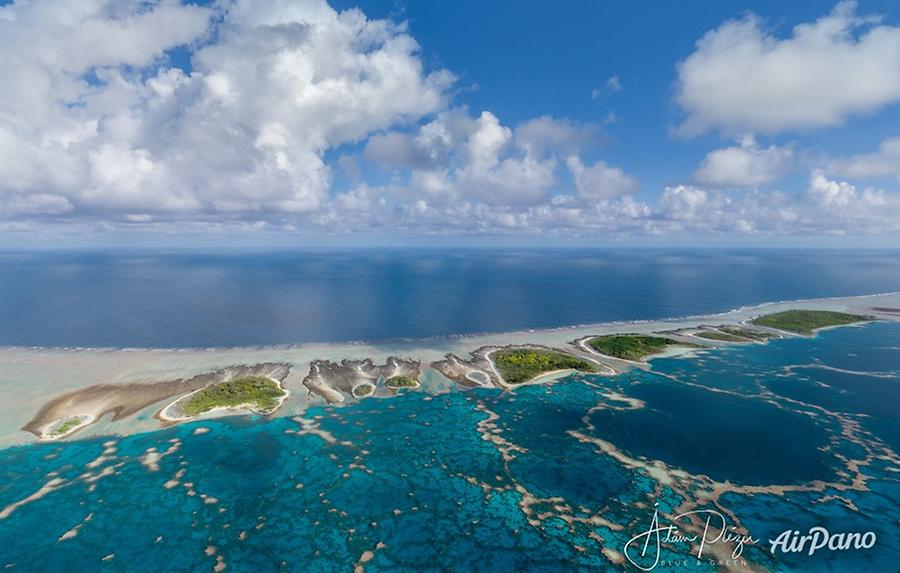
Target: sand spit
pixel 123 400
pixel 335 381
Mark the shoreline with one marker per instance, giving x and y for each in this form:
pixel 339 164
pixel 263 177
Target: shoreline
pixel 37 377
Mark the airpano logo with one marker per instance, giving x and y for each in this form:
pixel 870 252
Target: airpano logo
pixel 790 541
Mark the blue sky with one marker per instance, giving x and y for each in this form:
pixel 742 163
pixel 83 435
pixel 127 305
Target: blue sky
pixel 538 58
pixel 303 123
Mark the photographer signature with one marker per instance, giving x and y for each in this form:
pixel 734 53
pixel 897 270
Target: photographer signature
pixel 646 546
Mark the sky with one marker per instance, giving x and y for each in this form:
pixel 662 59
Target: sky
pixel 304 123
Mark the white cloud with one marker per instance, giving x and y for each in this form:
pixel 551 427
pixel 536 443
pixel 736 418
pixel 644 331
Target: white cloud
pixel 396 149
pixel 613 84
pixel 741 78
pixel 495 177
pixel 457 157
pixel 869 210
pixel 883 163
pixel 600 181
pixel 827 207
pixel 688 209
pixel 744 165
pixel 35 204
pixel 546 133
pixel 94 113
pixel 106 134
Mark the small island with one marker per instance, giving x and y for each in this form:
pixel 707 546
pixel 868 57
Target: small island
pixel 398 382
pixel 257 393
pixel 807 321
pixel 634 347
pixel 518 365
pixel 363 390
pixel 65 426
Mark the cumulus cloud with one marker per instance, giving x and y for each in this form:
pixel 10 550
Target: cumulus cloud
pixel 744 165
pixel 883 163
pixel 546 133
pixel 494 176
pixel 94 113
pixel 685 208
pixel 742 78
pixel 458 157
pixel 826 207
pixel 600 181
pixel 871 209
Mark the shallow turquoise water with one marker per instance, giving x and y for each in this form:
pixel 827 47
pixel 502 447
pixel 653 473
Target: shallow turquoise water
pixel 413 480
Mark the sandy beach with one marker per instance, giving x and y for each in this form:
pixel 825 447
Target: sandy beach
pixel 128 387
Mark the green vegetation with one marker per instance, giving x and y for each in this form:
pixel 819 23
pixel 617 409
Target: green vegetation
pixel 258 391
pixel 632 346
pixel 747 332
pixel 806 321
pixel 67 425
pixel 518 365
pixel 401 382
pixel 363 390
pixel 723 336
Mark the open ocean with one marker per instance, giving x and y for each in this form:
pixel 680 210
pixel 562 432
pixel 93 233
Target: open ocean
pixel 172 300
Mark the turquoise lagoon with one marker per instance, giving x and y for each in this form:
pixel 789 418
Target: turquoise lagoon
pixel 481 480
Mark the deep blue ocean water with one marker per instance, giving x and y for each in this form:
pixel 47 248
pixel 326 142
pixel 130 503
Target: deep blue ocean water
pixel 412 480
pixel 144 299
